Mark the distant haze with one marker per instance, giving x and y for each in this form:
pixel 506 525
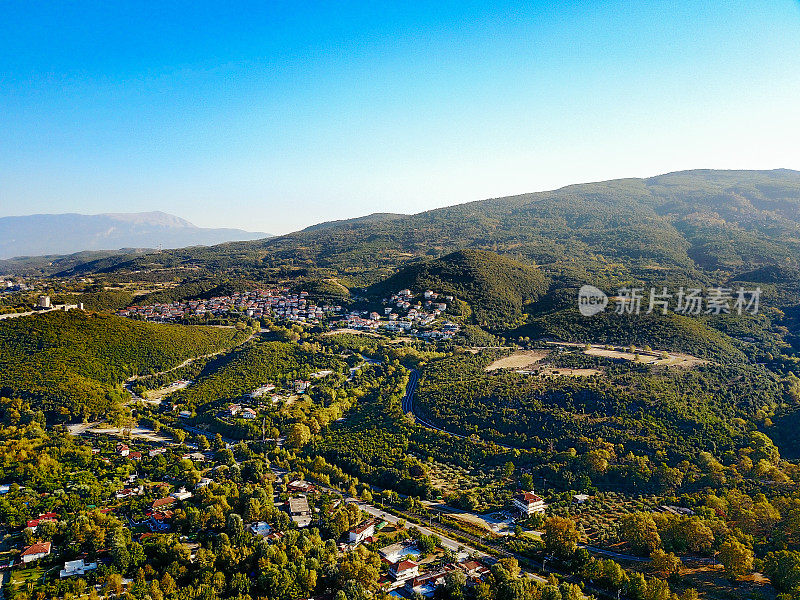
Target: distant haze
pixel 37 235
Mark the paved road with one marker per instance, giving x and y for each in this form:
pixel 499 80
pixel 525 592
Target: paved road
pixel 408 407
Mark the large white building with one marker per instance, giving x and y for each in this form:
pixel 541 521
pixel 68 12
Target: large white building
pixel 361 532
pixel 76 567
pixel 529 503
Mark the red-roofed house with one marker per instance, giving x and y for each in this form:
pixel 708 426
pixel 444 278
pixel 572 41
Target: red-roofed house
pixel 35 552
pixel 163 502
pixel 361 532
pixel 50 517
pixel 405 569
pixel 529 503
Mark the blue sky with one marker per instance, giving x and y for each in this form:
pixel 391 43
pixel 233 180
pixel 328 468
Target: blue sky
pixel 275 115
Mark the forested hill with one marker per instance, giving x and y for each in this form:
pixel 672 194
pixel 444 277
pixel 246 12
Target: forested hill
pixel 690 224
pixel 71 365
pixel 495 287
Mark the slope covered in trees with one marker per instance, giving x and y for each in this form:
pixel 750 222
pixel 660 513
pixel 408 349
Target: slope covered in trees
pixel 496 287
pixel 70 365
pixel 679 412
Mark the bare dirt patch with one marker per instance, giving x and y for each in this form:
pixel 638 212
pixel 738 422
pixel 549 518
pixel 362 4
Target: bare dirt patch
pixel 519 360
pixel 711 582
pixel 633 353
pixel 667 359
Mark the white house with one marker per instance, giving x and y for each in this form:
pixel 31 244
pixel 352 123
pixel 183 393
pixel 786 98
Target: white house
pixel 361 532
pixel 248 413
pixel 181 494
pixel 529 503
pixel 204 482
pixel 76 567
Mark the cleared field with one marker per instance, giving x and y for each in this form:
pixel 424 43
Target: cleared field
pixel 651 358
pixel 518 360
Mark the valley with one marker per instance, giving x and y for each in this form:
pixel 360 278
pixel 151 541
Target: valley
pixel 445 385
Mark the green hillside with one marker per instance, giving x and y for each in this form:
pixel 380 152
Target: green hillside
pixel 497 288
pixel 71 365
pixel 684 224
pixel 678 411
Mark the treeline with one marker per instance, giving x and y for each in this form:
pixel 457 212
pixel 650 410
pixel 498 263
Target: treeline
pixel 679 412
pixel 71 364
pixel 258 364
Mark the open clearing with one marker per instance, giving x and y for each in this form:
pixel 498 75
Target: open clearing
pixel 518 360
pixel 647 356
pixel 651 357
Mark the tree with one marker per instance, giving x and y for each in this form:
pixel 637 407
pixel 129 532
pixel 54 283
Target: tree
pixel 299 435
pixel 560 536
pixel 664 564
pixel 454 584
pixel 783 570
pixel 235 527
pixel 640 530
pixel 511 565
pixel 736 558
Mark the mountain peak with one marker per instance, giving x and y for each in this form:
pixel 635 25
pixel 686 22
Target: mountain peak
pixel 47 234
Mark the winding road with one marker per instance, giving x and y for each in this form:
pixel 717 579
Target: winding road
pixel 408 408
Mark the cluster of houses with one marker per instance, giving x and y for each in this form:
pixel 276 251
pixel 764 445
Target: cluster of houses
pixel 404 312
pixel 277 303
pixel 10 286
pixel 406 577
pixel 241 410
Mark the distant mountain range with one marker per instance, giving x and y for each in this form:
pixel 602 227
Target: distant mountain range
pixel 700 227
pixel 37 235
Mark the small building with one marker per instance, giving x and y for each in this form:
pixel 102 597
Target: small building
pixel 248 413
pixel 260 529
pixel 529 503
pixel 123 450
pixel 49 517
pixel 129 493
pixel 181 494
pixel 300 486
pixel 403 570
pixel 396 552
pixel 474 570
pixel 299 511
pixel 76 567
pixel 581 498
pixel 35 551
pixel 361 532
pixel 162 503
pixel 301 386
pixel 204 482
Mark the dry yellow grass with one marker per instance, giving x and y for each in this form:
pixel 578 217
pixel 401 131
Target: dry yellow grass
pixel 518 360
